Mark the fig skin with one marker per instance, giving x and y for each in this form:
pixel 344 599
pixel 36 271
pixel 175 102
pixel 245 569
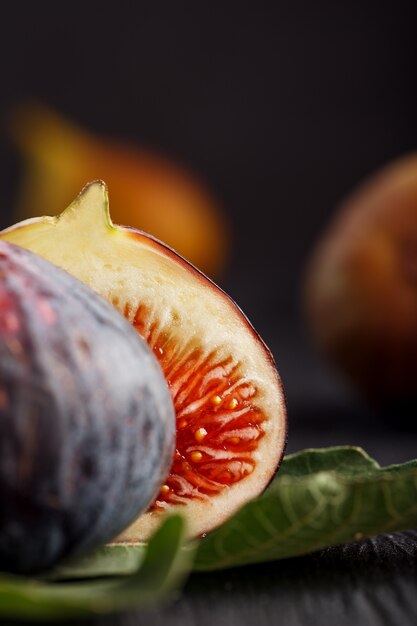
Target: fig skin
pixel 361 286
pixel 87 425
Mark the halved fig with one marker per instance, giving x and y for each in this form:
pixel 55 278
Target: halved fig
pixel 228 398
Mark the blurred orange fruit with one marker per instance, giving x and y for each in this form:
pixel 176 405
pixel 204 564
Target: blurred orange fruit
pixel 148 191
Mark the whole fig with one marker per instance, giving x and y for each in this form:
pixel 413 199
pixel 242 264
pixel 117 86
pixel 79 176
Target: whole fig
pixel 87 425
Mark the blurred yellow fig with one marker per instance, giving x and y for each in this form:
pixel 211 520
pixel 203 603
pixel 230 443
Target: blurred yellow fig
pixel 148 191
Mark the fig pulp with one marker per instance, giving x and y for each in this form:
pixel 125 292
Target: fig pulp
pixel 230 412
pixel 87 425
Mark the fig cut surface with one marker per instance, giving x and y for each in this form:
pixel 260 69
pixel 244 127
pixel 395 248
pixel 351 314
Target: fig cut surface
pixel 228 397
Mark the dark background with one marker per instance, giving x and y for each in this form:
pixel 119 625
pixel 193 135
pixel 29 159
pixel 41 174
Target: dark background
pixel 281 107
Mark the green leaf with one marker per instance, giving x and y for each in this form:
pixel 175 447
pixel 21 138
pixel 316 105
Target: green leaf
pixel 319 498
pixel 164 565
pixel 111 560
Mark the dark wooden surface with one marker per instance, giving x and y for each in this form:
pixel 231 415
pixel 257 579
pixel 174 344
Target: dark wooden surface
pixel 372 582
